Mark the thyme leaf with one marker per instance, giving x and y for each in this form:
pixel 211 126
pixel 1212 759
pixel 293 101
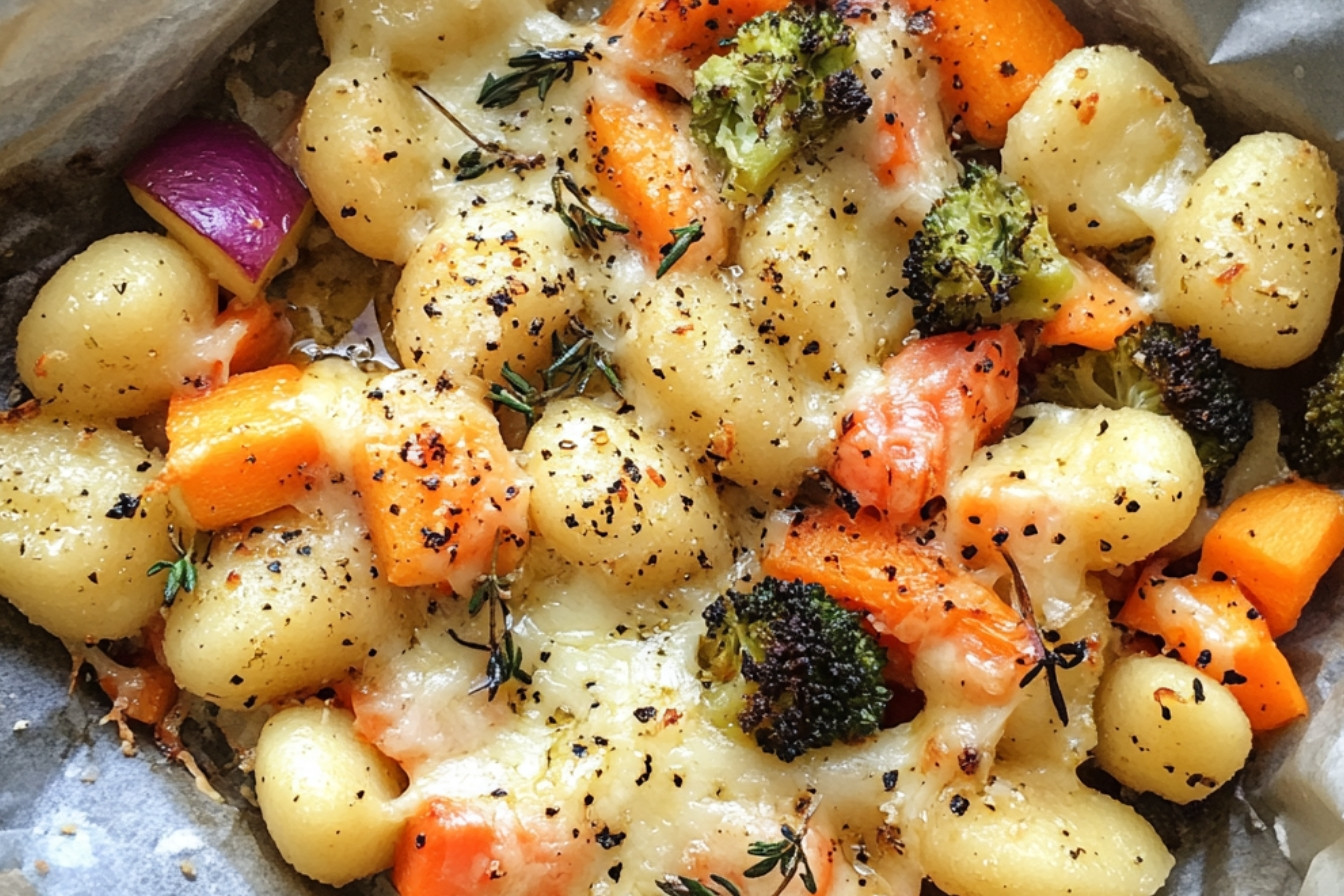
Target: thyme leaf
pixel 181 572
pixel 586 227
pixel 678 885
pixel 682 238
pixel 537 69
pixel 570 372
pixel 786 854
pixel 1051 660
pixel 504 662
pixel 487 154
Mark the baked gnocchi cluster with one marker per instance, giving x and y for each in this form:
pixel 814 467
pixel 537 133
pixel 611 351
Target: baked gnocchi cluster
pixel 469 592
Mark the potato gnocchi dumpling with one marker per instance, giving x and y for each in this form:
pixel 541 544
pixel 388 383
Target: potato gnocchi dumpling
pixel 480 294
pixel 602 482
pixel 1114 486
pixel 120 327
pixel 1166 728
pixel 1252 255
pixel 77 531
pixel 1030 833
pixel 1106 146
pixel 284 605
pixel 363 154
pixel 328 798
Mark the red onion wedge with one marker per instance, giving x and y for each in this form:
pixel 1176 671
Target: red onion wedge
pixel 222 193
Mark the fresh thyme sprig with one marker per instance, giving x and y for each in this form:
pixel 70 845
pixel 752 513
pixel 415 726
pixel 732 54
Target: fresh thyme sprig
pixel 786 854
pixel 505 660
pixel 574 365
pixel 586 227
pixel 680 885
pixel 1065 656
pixel 475 162
pixel 537 69
pixel 181 572
pixel 682 238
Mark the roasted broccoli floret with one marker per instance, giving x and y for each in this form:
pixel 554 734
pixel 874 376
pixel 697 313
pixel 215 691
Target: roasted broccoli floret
pixel 809 673
pixel 983 256
pixel 1314 443
pixel 788 82
pixel 1168 370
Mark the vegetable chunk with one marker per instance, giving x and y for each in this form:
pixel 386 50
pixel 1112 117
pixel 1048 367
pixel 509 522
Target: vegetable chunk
pixel 221 192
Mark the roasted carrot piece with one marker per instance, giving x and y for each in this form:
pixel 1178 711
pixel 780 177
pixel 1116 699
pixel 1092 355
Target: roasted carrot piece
pixel 1276 542
pixel 454 847
pixel 241 449
pixel 912 594
pixel 653 30
pixel 940 399
pixel 445 850
pixel 991 54
pixel 650 170
pixel 1097 311
pixel 264 333
pixel 442 497
pixel 1212 626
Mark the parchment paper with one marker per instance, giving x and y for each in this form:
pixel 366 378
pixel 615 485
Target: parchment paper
pixel 84 82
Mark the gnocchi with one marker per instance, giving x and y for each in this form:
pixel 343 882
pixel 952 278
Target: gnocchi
pixel 1252 254
pixel 120 327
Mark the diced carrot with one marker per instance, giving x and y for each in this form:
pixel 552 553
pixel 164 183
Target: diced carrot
pixel 241 449
pixel 991 54
pixel 653 30
pixel 454 847
pixel 912 594
pixel 264 336
pixel 1276 542
pixel 445 850
pixel 1097 311
pixel 650 170
pixel 442 496
pixel 1212 626
pixel 940 399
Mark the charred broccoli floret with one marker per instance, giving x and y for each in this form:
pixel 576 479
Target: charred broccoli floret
pixel 810 673
pixel 788 82
pixel 983 256
pixel 1314 443
pixel 1168 370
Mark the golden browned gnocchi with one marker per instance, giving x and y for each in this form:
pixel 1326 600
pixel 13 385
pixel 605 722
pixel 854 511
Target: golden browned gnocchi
pixel 601 481
pixel 1251 257
pixel 120 327
pixel 76 530
pixel 289 603
pixel 1169 729
pixel 1106 146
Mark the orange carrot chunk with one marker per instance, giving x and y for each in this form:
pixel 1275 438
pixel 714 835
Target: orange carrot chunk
pixel 649 169
pixel 1276 542
pixel 446 849
pixel 264 333
pixel 443 498
pixel 241 449
pixel 991 54
pixel 1097 311
pixel 912 594
pixel 653 30
pixel 1212 626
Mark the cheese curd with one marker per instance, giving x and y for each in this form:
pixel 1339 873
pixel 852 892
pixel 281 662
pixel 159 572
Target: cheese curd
pixel 476 630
